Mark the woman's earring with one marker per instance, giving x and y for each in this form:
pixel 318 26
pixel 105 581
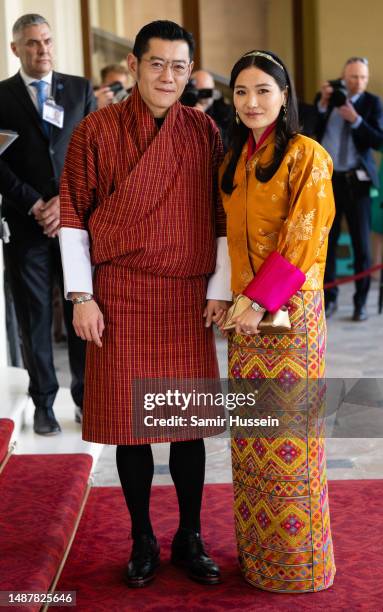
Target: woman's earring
pixel 284 112
pixel 237 119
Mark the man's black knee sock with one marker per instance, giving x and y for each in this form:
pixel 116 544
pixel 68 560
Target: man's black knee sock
pixel 135 469
pixel 187 468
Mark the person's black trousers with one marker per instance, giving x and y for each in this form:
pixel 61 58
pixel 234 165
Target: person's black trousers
pixel 352 199
pixel 32 270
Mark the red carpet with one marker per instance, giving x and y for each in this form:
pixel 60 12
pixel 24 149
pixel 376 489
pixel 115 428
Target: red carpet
pixel 40 499
pixel 101 549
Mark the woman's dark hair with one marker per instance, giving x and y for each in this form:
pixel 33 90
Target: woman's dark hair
pixel 286 127
pixel 166 30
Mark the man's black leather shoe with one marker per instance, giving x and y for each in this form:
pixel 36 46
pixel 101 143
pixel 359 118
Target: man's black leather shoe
pixel 44 422
pixel 78 414
pixel 188 552
pixel 360 313
pixel 331 307
pixel 144 561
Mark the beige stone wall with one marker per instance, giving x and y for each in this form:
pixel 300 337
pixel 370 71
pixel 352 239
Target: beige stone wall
pixel 229 29
pixel 137 14
pixel 280 31
pixel 347 28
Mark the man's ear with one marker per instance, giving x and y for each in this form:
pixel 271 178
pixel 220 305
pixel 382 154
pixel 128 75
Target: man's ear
pixel 14 49
pixel 132 62
pixel 190 69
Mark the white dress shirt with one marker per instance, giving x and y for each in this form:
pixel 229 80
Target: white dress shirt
pixel 77 267
pixel 32 90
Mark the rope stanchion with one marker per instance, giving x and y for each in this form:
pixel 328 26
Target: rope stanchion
pixel 349 279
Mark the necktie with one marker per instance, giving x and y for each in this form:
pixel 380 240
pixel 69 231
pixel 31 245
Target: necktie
pixel 41 97
pixel 343 145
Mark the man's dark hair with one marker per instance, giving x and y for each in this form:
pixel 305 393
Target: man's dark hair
pixel 166 30
pixel 27 20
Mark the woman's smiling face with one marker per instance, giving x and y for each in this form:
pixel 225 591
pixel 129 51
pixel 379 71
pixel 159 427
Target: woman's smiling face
pixel 257 99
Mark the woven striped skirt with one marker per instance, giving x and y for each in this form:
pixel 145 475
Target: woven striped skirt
pixel 280 486
pixel 154 329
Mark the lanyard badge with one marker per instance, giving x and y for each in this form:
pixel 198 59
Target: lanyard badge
pixel 53 113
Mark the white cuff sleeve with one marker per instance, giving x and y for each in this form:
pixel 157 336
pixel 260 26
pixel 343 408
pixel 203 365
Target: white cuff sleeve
pixel 218 287
pixel 75 257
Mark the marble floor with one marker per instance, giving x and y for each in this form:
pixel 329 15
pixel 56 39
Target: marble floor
pixel 355 350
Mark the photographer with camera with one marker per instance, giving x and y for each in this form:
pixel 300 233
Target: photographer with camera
pixel 200 93
pixel 350 125
pixel 116 85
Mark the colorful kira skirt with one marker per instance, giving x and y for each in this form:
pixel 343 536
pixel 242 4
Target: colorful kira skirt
pixel 280 486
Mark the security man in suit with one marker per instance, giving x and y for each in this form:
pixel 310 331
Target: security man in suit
pixel 350 125
pixel 43 107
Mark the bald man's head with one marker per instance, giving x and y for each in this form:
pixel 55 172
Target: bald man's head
pixel 203 79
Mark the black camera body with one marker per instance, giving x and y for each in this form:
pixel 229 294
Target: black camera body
pixel 192 95
pixel 116 86
pixel 339 95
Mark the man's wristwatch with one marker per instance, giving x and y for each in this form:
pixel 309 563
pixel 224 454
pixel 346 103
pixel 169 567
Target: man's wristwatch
pixel 257 307
pixel 86 297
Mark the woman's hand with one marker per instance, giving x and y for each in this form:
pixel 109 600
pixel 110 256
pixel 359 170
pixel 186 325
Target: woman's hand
pixel 247 322
pixel 88 322
pixel 215 312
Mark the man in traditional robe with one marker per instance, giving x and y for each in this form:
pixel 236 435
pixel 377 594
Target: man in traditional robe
pixel 139 201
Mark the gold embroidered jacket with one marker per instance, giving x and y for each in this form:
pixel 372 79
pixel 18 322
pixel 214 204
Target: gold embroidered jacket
pixel 292 213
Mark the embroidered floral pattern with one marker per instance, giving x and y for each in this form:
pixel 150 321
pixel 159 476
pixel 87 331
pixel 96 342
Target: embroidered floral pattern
pixel 313 277
pixel 269 242
pixel 320 171
pixel 324 232
pixel 302 227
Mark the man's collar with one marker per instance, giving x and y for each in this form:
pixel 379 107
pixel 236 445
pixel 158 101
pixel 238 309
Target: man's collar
pixel 28 79
pixel 355 97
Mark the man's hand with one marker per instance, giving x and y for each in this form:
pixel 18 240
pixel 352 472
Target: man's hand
pixel 348 112
pixel 88 322
pixel 104 97
pixel 326 91
pixel 247 322
pixel 49 217
pixel 37 208
pixel 215 312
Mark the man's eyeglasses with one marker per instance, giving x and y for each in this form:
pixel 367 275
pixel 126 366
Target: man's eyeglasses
pixel 159 65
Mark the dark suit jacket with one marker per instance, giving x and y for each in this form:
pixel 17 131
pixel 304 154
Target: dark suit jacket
pixel 32 165
pixel 368 136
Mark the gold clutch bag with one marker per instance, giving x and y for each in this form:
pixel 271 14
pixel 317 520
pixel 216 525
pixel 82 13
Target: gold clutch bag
pixel 275 322
pixel 272 322
pixel 241 303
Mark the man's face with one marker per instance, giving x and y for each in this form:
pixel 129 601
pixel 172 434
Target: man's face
pixel 355 76
pixel 162 73
pixel 112 77
pixel 203 80
pixel 34 47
